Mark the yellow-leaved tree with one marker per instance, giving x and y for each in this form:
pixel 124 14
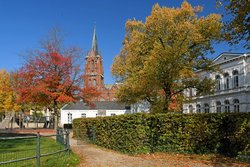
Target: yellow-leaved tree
pixel 7 94
pixel 159 57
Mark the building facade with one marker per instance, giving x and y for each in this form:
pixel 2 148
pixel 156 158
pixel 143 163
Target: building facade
pixel 94 74
pixel 232 92
pixel 99 109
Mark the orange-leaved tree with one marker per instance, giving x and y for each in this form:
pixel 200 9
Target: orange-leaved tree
pixel 52 76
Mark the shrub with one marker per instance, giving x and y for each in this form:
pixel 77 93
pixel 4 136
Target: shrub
pixel 226 133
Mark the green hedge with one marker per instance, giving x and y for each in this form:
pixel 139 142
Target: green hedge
pixel 227 134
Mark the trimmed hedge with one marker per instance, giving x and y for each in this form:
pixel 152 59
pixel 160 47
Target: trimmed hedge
pixel 227 133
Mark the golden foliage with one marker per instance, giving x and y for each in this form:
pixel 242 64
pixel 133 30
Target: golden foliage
pixel 158 57
pixel 7 93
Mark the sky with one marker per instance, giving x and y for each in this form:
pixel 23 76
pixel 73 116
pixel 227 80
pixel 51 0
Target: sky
pixel 23 23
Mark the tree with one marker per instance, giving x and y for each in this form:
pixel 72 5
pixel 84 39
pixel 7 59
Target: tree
pixel 159 57
pixel 51 76
pixel 7 94
pixel 238 27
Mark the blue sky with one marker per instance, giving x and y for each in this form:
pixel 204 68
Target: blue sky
pixel 23 23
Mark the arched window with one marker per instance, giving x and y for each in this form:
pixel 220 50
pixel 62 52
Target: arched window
pixel 191 109
pixel 198 108
pixel 235 79
pixel 217 78
pixel 206 108
pixel 94 82
pixel 92 64
pixel 227 106
pixel 190 92
pixel 90 83
pixel 218 107
pixel 236 105
pixel 226 81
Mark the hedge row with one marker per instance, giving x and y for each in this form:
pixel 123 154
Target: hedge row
pixel 227 134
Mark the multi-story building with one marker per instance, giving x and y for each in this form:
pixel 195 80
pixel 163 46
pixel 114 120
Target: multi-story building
pixel 232 92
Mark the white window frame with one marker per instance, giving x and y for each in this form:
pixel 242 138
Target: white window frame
pixel 206 108
pixel 218 107
pixel 227 106
pixel 83 115
pixel 70 118
pixel 236 105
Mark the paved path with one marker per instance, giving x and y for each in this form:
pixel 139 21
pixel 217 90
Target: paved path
pixel 94 156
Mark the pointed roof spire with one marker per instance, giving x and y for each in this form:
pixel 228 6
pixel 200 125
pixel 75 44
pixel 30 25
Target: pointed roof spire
pixel 94 43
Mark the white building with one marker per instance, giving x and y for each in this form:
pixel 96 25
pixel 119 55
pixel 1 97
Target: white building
pixel 100 108
pixel 232 92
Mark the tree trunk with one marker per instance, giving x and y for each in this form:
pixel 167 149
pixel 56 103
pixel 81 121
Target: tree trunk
pixel 167 100
pixel 19 121
pixel 56 115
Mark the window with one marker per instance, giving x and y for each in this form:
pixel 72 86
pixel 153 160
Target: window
pixel 83 115
pixel 94 82
pixel 227 106
pixel 198 108
pixel 236 105
pixel 206 108
pixel 113 114
pixel 90 82
pixel 191 109
pixel 69 118
pixel 226 81
pixel 217 78
pixel 190 92
pixel 218 107
pixel 92 64
pixel 128 107
pixel 235 79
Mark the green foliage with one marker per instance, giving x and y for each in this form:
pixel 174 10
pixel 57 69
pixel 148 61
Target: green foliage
pixel 226 133
pixel 127 133
pixel 237 27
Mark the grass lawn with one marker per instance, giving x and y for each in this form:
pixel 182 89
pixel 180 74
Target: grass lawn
pixel 12 149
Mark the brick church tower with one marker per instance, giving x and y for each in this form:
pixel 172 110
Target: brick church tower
pixel 94 74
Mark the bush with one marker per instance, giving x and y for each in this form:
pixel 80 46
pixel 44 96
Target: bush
pixel 226 133
pixel 126 133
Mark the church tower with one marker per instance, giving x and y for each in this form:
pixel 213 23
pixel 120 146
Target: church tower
pixel 94 74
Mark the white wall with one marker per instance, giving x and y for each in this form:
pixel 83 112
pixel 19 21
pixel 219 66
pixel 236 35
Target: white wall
pixel 116 112
pixel 89 114
pixel 76 114
pixel 242 93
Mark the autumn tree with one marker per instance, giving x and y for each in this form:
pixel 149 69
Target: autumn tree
pixel 51 76
pixel 8 95
pixel 159 57
pixel 238 25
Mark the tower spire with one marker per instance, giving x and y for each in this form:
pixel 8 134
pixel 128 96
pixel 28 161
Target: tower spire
pixel 94 43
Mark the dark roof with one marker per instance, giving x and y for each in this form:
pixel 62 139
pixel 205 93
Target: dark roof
pixel 99 105
pixel 94 43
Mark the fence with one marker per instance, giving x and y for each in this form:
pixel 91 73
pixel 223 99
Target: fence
pixel 29 151
pixel 82 137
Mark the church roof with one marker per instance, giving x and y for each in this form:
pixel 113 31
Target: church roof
pixel 98 105
pixel 94 43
